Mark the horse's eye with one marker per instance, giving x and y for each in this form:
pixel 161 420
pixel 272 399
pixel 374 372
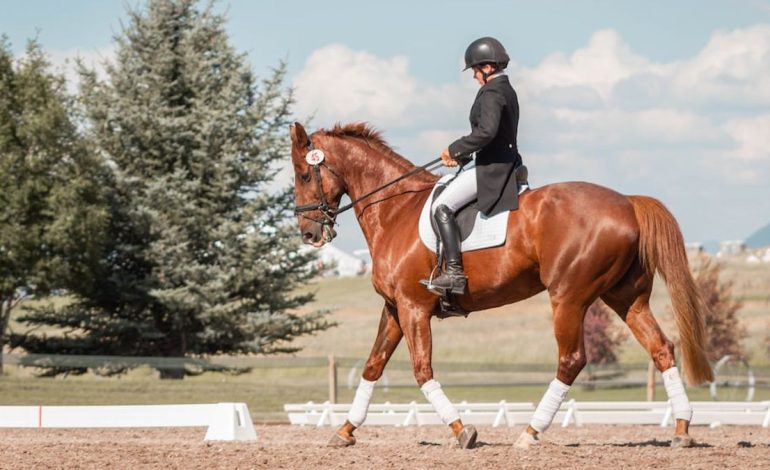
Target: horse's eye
pixel 305 178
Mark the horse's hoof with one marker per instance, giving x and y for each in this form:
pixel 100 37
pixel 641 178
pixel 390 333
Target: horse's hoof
pixel 681 442
pixel 526 441
pixel 467 437
pixel 338 440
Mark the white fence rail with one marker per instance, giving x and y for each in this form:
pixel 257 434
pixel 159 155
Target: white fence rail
pixel 225 421
pixel 571 412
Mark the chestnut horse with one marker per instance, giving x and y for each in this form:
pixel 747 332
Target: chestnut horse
pixel 577 240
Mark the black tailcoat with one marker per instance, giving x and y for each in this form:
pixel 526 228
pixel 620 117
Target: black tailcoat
pixel 494 122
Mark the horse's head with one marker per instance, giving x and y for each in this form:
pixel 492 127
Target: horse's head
pixel 318 188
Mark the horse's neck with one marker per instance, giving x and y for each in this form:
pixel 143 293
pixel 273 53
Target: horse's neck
pixel 368 168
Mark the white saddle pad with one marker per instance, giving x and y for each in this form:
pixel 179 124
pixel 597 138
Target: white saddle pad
pixel 487 231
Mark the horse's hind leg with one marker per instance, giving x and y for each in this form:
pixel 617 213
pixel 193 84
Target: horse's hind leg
pixel 568 328
pixel 631 301
pixel 388 336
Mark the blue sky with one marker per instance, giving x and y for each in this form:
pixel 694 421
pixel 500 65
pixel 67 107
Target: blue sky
pixel 669 99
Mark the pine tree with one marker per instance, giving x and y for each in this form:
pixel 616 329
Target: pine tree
pixel 203 257
pixel 52 207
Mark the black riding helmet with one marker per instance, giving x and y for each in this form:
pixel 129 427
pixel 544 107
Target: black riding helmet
pixel 486 50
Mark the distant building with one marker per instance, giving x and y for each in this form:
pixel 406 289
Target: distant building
pixel 339 263
pixel 731 248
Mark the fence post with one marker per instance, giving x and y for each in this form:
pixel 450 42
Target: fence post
pixel 332 379
pixel 651 381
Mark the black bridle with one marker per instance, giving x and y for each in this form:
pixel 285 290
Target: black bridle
pixel 329 212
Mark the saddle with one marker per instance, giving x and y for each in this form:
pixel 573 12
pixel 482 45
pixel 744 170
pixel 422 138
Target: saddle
pixel 467 215
pixel 466 219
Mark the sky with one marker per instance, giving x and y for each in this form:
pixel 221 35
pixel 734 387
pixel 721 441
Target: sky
pixel 667 99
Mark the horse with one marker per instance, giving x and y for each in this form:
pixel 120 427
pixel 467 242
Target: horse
pixel 577 240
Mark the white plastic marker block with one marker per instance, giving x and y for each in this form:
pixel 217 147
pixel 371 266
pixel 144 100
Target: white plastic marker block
pixel 231 422
pixel 19 416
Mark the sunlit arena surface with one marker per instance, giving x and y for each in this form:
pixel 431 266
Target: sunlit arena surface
pixel 430 447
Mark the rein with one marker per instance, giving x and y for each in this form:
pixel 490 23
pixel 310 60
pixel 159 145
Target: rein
pixel 404 176
pixel 323 206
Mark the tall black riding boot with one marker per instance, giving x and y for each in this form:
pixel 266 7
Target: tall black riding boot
pixel 453 278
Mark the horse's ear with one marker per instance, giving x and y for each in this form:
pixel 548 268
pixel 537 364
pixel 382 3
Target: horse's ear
pixel 298 135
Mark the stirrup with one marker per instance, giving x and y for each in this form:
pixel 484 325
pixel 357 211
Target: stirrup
pixel 457 284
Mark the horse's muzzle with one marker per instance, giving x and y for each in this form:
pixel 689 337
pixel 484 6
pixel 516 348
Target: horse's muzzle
pixel 318 238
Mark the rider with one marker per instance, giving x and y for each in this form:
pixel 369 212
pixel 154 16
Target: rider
pixel 494 121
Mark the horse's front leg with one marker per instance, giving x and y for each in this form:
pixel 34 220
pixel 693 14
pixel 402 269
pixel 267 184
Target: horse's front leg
pixel 568 328
pixel 388 336
pixel 416 327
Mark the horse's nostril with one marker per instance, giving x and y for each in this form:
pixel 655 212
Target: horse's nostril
pixel 307 236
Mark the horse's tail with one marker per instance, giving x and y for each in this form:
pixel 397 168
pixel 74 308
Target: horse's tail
pixel 661 248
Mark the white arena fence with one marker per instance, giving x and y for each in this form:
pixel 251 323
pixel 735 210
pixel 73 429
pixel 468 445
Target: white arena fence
pixel 225 421
pixel 511 414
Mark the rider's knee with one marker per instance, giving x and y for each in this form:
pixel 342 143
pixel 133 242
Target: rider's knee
pixel 443 212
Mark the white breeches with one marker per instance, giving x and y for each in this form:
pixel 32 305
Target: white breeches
pixel 459 192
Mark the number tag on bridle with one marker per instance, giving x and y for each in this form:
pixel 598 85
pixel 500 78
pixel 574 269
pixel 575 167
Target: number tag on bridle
pixel 314 157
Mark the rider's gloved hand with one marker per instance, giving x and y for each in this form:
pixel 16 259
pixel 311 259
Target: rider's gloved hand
pixel 446 159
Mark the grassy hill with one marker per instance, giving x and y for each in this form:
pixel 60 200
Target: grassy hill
pixel 517 333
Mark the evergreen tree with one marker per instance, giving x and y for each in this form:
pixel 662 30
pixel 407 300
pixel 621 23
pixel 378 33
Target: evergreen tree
pixel 203 256
pixel 52 207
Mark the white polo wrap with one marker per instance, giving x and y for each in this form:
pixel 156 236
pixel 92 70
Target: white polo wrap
pixel 444 408
pixel 680 404
pixel 549 405
pixel 360 406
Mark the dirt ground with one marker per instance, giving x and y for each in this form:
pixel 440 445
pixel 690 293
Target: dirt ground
pixel 284 446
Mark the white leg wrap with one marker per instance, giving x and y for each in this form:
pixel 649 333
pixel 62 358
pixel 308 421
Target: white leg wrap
pixel 444 408
pixel 675 390
pixel 360 406
pixel 549 405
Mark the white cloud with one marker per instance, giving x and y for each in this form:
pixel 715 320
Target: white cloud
pixel 598 98
pixel 752 134
pixel 605 61
pixel 340 84
pixel 732 70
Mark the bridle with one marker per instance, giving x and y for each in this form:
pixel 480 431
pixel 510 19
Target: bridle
pixel 329 212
